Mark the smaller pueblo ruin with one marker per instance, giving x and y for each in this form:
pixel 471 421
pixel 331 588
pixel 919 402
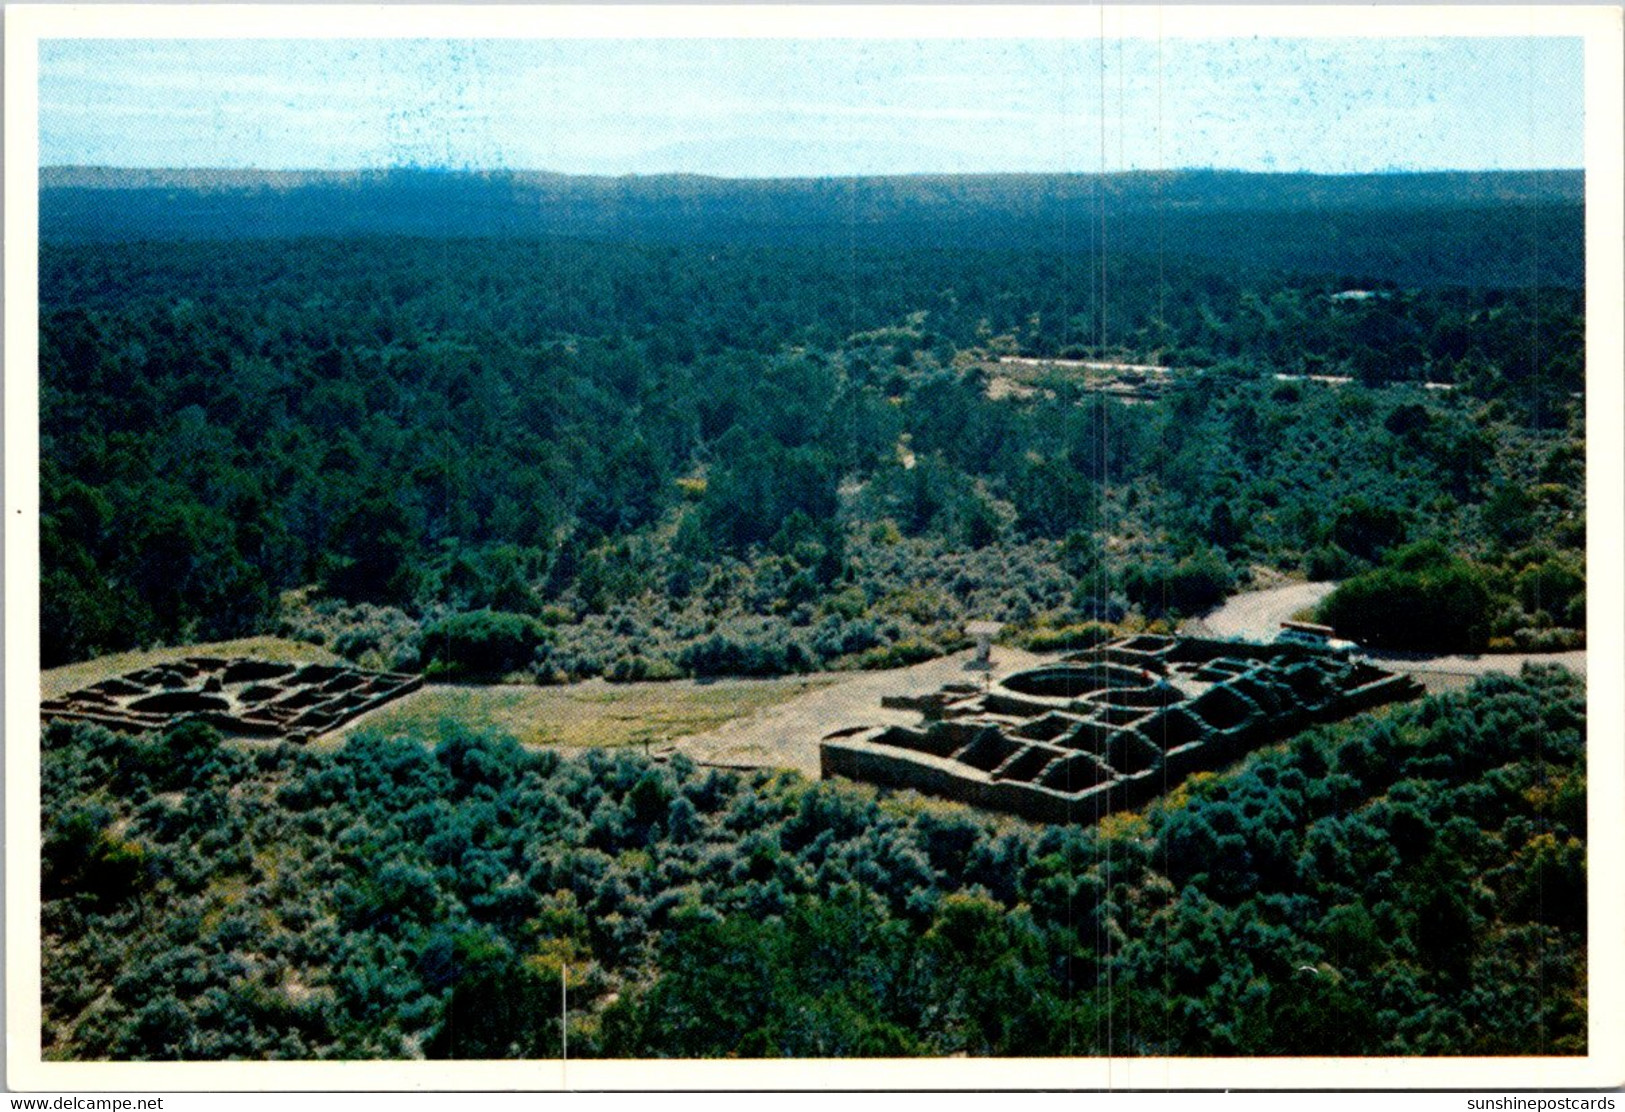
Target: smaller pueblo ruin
pixel 241 696
pixel 1108 729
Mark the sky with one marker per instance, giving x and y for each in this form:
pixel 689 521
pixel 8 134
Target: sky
pixel 812 107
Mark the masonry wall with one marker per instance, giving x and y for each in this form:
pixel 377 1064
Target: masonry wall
pixel 1043 745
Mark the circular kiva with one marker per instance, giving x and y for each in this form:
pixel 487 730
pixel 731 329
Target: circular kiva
pixel 1069 681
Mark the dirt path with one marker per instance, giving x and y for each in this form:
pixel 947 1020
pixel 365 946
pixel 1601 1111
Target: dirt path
pixel 1452 673
pixel 1257 615
pixel 787 735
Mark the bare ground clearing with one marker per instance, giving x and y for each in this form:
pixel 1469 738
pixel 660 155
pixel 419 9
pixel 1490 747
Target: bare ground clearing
pixel 787 735
pixel 777 723
pixel 587 714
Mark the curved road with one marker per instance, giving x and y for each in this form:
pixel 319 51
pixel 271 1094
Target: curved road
pixel 1257 616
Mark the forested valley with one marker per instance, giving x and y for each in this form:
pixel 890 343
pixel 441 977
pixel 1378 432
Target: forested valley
pixel 655 448
pixel 653 461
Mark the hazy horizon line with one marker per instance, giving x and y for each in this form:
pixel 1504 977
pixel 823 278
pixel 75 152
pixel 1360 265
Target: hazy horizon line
pixel 832 176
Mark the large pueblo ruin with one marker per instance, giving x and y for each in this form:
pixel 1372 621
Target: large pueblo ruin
pixel 1110 728
pixel 240 696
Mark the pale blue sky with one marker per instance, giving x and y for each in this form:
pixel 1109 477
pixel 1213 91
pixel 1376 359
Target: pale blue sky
pixel 739 107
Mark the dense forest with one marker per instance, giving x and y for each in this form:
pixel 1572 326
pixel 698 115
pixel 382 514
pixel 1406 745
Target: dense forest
pixel 645 461
pixel 1408 882
pixel 1491 228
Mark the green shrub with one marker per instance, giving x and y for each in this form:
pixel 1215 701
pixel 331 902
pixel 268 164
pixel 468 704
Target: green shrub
pixel 1548 640
pixel 482 642
pixel 1188 587
pixel 1068 638
pixel 1367 530
pixel 81 856
pixel 1423 599
pixel 1327 562
pixel 848 603
pixel 897 655
pixel 637 668
pixel 191 740
pixel 1552 586
pixel 724 654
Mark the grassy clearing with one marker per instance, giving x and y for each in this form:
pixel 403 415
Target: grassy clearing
pixel 594 713
pixel 70 677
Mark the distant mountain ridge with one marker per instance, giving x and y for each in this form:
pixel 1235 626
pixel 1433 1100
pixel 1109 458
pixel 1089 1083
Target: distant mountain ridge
pixel 1509 228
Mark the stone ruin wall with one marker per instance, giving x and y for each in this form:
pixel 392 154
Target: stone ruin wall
pixel 239 696
pixel 1108 729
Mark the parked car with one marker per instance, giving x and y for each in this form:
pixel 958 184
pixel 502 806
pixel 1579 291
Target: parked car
pixel 1313 636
